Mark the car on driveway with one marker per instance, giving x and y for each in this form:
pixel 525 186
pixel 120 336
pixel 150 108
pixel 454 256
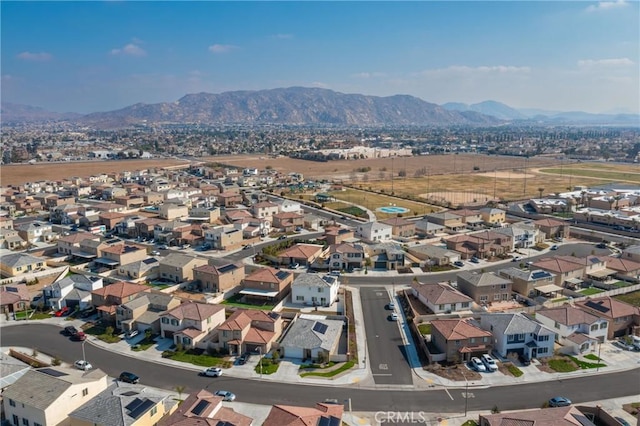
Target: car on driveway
pixel 477 365
pixel 244 358
pixel 458 263
pixel 128 377
pixel 489 362
pixel 294 266
pixel 131 334
pixel 524 360
pixel 155 253
pixel 554 247
pixel 559 401
pixel 226 395
pixel 82 365
pixel 474 260
pixel 624 345
pixel 63 312
pixel 211 372
pixel 87 312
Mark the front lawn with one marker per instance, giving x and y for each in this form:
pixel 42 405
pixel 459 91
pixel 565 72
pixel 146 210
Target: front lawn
pixel 585 365
pixel 24 315
pixel 593 357
pixel 102 333
pixel 514 370
pixel 197 358
pixel 344 367
pixel 562 365
pixel 267 366
pixel 424 328
pixel 144 344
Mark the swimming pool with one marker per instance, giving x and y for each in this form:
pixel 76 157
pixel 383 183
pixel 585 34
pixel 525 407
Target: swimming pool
pixel 392 209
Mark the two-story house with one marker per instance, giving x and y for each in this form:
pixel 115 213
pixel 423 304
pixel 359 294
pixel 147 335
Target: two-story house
pixel 622 317
pixel 189 323
pixel 315 290
pixel 553 228
pixel 471 218
pixel 141 270
pixel 35 231
pixel 226 237
pixel 577 330
pixel 459 340
pixel 450 221
pixel 334 235
pixel 121 254
pixel 302 254
pixel 143 312
pixel 249 330
pixel 73 291
pixel 219 279
pixel 520 334
pixel 401 227
pixel 288 221
pixel 69 244
pixel 493 217
pixel 46 396
pixel 346 256
pixel 204 408
pixel 441 298
pixel 264 209
pixel 107 298
pixel 564 270
pixel 484 288
pixel 266 285
pixel 522 235
pixel 387 255
pixel 527 281
pixel 374 232
pixel 178 267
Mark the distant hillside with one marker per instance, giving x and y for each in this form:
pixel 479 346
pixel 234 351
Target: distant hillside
pixel 14 113
pixel 295 105
pixel 493 108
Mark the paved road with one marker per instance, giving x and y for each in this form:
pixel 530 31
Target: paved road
pixel 435 400
pixel 384 340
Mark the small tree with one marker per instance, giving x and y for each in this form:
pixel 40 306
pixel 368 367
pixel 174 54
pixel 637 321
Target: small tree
pixel 495 410
pixel 56 361
pixel 109 331
pixel 180 389
pixel 275 356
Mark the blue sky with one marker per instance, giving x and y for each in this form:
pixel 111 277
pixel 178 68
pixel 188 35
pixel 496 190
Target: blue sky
pixel 97 56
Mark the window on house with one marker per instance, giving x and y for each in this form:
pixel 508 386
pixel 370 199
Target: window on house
pixel 603 325
pixel 174 322
pixel 272 285
pixel 542 350
pixel 16 420
pixel 225 333
pixel 496 296
pixel 154 411
pixel 301 298
pixel 465 304
pixel 85 391
pixel 594 327
pixel 25 422
pixel 12 403
pixel 441 307
pixel 319 289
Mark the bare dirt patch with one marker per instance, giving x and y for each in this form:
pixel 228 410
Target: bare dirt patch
pixel 16 174
pixel 457 373
pixel 467 198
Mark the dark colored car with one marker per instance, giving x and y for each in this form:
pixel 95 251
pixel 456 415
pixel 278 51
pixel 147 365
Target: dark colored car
pixel 79 336
pixel 458 263
pixel 474 260
pixel 127 377
pixel 601 245
pixel 87 312
pixel 244 358
pixel 524 360
pixel 70 330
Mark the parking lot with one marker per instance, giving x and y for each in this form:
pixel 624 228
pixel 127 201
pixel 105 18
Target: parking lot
pixel 385 343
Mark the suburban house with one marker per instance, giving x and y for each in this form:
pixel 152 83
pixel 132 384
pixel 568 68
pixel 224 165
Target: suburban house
pixel 137 405
pixel 288 221
pixel 564 270
pixel 34 232
pixel 493 217
pixel 553 228
pixel 401 227
pixel 631 253
pixel 71 243
pixel 313 337
pixel 14 264
pixel 523 235
pixel 471 218
pixel 189 323
pixel 376 232
pixel 578 330
pixel 434 255
pixel 520 334
pixel 249 330
pixel 425 228
pixel 264 209
pixel 266 285
pixel 107 298
pixel 345 256
pixel 530 282
pixel 625 269
pixel 143 312
pixel 459 340
pixel 387 255
pixel 441 298
pixel 315 290
pixel 484 288
pixel 141 270
pixel 622 317
pixel 178 267
pixel 14 298
pixel 172 211
pixel 226 237
pixel 121 254
pixel 451 222
pixel 334 235
pixel 302 254
pixel 219 279
pixel 290 415
pixel 204 408
pixel 482 245
pixel 46 396
pixel 558 416
pixel 73 291
pixel 252 227
pixel 9 239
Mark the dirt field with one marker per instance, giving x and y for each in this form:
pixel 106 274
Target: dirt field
pixel 466 198
pixel 16 174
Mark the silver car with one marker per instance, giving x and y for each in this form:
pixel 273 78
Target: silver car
pixel 226 395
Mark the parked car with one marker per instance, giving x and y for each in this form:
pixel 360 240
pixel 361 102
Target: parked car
pixel 458 263
pixel 211 372
pixel 83 365
pixel 335 273
pixel 393 317
pixel 474 260
pixel 391 306
pixel 516 258
pixel 622 421
pixel 601 245
pixel 155 253
pixel 162 247
pixel 131 333
pixel 554 247
pixel 244 358
pixel 70 330
pixel 127 377
pixel 79 336
pixel 477 365
pixel 524 360
pixel 282 237
pixel 246 247
pixel 559 401
pixel 294 266
pixel 226 395
pixel 623 344
pixel 63 312
pixel 87 312
pixel 489 362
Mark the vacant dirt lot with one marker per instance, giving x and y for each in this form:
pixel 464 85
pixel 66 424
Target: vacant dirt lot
pixel 16 174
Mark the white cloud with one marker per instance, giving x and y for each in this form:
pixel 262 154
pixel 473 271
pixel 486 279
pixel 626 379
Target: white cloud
pixel 613 62
pixel 464 69
pixel 221 48
pixel 130 49
pixel 368 75
pixel 606 5
pixel 35 57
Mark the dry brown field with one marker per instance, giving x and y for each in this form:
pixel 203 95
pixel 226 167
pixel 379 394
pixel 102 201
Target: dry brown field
pixel 16 174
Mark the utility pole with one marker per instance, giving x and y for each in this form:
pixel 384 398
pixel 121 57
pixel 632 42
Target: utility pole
pixel 391 175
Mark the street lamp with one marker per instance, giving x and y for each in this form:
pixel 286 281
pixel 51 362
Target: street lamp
pixel 260 359
pixel 83 354
pixel 466 393
pixel 599 346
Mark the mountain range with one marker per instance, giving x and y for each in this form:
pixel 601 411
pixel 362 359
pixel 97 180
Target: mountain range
pixel 310 106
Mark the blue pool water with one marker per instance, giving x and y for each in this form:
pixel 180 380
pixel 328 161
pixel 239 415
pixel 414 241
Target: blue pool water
pixel 392 209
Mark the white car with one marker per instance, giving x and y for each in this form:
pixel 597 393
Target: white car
pixel 83 365
pixel 624 345
pixel 211 372
pixel 489 362
pixel 226 395
pixel 393 317
pixel 130 334
pixel 477 365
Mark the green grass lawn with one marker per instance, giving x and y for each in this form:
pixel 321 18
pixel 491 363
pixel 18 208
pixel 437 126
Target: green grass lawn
pixel 593 357
pixel 203 360
pixel 514 370
pixel 424 328
pixel 470 423
pixel 100 333
pixel 590 291
pixel 144 344
pixel 562 365
pixel 268 366
pixel 317 366
pixel 235 301
pixel 621 284
pixel 344 367
pixel 585 365
pixel 22 315
pixel 631 298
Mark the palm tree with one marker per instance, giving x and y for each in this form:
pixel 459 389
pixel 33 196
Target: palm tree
pixel 180 389
pixel 540 190
pixel 617 198
pixel 611 200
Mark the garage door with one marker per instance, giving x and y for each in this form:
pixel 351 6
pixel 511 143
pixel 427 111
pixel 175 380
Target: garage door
pixel 291 352
pixel 72 304
pixel 168 334
pixel 380 265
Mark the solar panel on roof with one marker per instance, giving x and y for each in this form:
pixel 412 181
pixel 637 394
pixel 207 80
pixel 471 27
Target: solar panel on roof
pixel 281 275
pixel 140 408
pixel 150 261
pixel 329 421
pixel 52 372
pixel 597 306
pixel 539 274
pixel 129 393
pixel 200 407
pixel 113 241
pixel 227 268
pixel 319 327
